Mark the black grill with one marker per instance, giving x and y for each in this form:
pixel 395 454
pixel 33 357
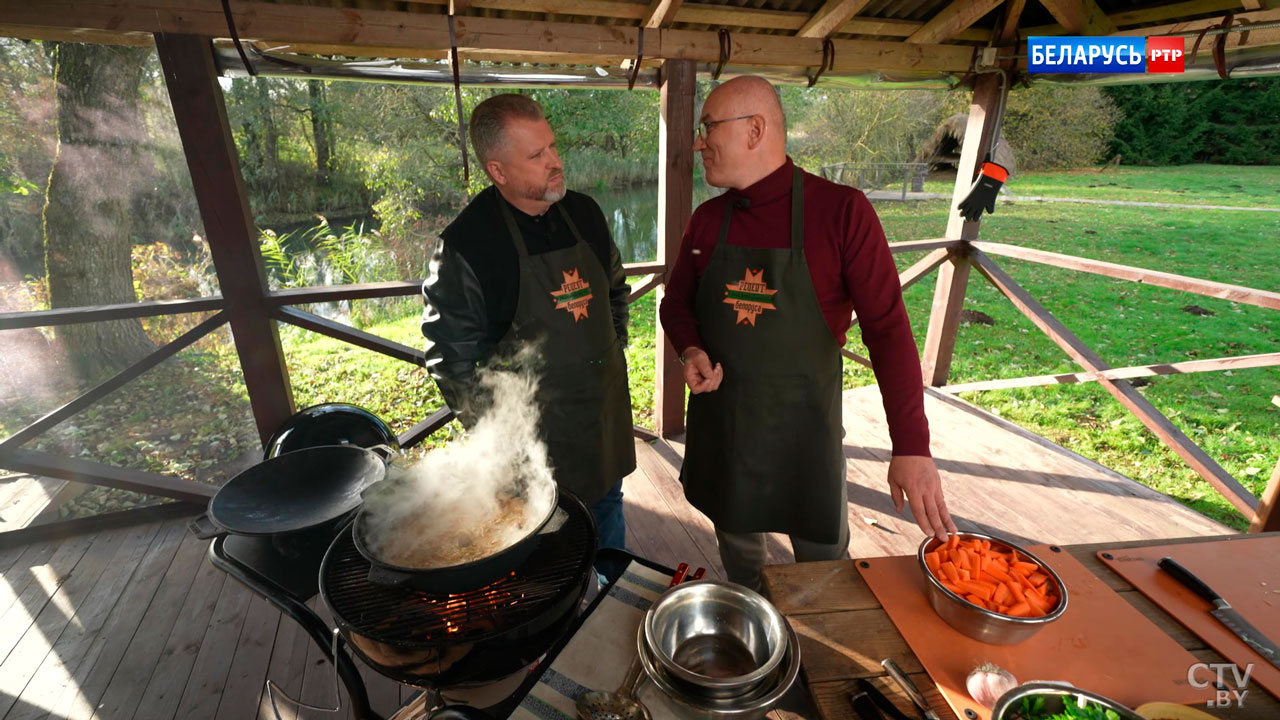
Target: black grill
pixel 524 602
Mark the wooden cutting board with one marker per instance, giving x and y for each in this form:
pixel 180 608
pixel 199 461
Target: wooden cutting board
pixel 1098 644
pixel 1245 572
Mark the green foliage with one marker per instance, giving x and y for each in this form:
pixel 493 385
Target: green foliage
pixel 1055 127
pixel 1033 708
pixel 1234 122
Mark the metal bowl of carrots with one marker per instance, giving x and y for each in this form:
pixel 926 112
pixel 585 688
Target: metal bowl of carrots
pixel 989 588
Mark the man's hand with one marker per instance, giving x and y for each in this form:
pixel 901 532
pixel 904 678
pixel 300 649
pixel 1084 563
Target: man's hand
pixel 917 477
pixel 698 373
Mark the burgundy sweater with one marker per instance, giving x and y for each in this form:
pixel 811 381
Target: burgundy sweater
pixel 852 271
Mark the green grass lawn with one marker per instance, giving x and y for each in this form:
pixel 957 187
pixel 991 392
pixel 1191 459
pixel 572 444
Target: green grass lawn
pixel 1185 184
pixel 1227 413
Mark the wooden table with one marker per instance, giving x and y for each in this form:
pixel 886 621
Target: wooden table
pixel 845 633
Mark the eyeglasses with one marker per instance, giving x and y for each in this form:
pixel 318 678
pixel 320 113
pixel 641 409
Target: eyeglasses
pixel 704 127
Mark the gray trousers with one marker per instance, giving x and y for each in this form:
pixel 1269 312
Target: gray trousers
pixel 743 554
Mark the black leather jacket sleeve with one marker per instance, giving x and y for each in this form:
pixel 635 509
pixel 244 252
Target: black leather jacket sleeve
pixel 453 322
pixel 619 292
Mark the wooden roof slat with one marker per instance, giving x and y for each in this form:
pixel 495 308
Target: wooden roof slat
pixel 401 34
pixel 1146 15
pixel 1080 17
pixel 1255 38
pixel 660 13
pixel 1007 28
pixel 830 18
pixel 957 16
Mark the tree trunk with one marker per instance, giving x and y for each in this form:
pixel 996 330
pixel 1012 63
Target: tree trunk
pixel 270 137
pixel 321 131
pixel 88 226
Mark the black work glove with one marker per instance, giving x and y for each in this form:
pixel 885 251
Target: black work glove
pixel 982 196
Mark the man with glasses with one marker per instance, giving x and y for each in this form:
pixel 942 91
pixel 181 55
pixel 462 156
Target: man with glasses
pixel 759 303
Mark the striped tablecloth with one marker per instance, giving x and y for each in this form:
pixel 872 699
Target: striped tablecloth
pixel 598 655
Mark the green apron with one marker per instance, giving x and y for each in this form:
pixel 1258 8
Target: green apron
pixel 763 451
pixel 582 395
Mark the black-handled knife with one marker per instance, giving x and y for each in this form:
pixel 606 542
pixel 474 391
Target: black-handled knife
pixel 1223 611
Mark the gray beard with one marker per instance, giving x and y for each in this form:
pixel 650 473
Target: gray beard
pixel 552 195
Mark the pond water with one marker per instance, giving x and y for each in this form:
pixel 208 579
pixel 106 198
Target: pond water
pixel 632 214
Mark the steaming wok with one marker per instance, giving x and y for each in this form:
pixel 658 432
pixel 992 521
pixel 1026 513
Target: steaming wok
pixel 464 576
pixel 296 491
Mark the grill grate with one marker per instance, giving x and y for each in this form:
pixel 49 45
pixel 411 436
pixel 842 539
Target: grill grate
pixel 411 618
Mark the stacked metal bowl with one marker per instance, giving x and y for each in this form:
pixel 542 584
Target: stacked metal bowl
pixel 719 649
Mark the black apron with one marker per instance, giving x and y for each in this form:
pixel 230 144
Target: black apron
pixel 763 451
pixel 582 395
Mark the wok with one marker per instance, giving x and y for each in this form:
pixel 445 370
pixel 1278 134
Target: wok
pixel 295 491
pixel 464 576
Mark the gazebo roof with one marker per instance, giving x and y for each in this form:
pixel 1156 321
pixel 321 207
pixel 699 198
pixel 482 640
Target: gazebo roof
pixel 870 39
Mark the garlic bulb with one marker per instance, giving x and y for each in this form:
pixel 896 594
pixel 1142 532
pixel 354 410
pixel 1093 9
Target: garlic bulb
pixel 987 682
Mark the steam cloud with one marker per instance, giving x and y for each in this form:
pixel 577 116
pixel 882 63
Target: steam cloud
pixel 457 489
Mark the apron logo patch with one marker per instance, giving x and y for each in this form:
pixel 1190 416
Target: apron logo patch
pixel 750 296
pixel 574 295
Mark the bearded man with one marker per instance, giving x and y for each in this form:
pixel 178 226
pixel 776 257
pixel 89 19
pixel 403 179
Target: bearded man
pixel 530 263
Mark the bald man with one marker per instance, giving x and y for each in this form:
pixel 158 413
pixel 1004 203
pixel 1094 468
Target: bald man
pixel 759 303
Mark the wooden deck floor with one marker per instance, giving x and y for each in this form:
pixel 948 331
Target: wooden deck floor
pixel 135 622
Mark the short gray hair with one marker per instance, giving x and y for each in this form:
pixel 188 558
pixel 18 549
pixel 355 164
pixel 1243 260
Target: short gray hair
pixel 489 120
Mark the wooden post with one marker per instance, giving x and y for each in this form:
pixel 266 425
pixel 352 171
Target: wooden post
pixel 1267 518
pixel 953 278
pixel 675 206
pixel 198 108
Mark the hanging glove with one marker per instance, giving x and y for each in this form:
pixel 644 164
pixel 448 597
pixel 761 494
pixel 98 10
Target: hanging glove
pixel 982 196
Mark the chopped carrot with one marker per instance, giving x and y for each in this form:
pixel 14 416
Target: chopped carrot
pixel 964 574
pixel 996 572
pixel 1020 610
pixel 976 600
pixel 1002 595
pixel 953 542
pixel 932 561
pixel 1025 567
pixel 949 569
pixel 1016 590
pixel 1038 578
pixel 966 560
pixel 953 588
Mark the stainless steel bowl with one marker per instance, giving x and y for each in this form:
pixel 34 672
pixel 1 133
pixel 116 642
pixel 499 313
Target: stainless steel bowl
pixel 752 706
pixel 980 623
pixel 1056 695
pixel 719 637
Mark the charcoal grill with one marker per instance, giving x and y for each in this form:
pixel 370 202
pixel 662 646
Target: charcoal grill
pixel 450 639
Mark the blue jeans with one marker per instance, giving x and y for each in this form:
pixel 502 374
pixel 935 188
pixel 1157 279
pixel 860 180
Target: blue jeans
pixel 610 523
pixel 612 529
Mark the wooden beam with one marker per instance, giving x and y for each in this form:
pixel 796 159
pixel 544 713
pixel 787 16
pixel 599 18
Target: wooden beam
pixel 923 266
pixel 62 529
pixel 1007 29
pixel 426 428
pixel 916 245
pixel 192 79
pixel 1251 4
pixel 951 20
pixel 675 207
pixel 953 278
pixel 856 358
pixel 72 315
pixel 660 14
pixel 348 334
pixel 113 383
pixel 1145 15
pixel 1177 368
pixel 1234 40
pixel 944 319
pixel 334 293
pixel 643 268
pixel 1267 518
pixel 1208 288
pixel 831 17
pixel 410 34
pixel 1080 17
pixel 645 288
pixel 92 473
pixel 1235 493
